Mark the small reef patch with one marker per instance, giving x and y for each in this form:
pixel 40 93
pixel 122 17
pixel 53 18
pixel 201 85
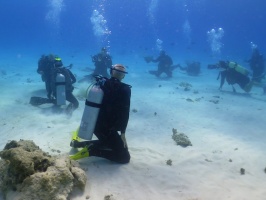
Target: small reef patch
pixel 29 173
pixel 180 138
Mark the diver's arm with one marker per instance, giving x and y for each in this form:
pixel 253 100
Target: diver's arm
pixel 73 78
pixel 156 60
pixel 125 108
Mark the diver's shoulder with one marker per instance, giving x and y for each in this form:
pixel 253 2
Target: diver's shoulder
pixel 126 85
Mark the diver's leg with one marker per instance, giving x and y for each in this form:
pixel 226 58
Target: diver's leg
pixel 74 104
pixel 112 148
pixel 81 144
pixel 115 152
pixel 159 72
pixel 233 88
pixel 248 87
pixel 168 73
pixel 71 98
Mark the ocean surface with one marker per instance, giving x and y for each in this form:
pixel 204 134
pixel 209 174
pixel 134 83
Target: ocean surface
pixel 202 30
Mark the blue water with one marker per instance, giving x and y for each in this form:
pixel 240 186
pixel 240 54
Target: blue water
pixel 195 30
pixel 64 27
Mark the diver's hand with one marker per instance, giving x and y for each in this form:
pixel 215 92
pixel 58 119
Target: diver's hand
pixel 123 137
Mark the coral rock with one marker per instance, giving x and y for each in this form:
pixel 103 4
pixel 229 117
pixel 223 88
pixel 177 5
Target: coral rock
pixel 33 174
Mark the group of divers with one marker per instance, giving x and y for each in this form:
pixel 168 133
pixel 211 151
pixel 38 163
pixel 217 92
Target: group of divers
pixel 229 71
pixel 107 104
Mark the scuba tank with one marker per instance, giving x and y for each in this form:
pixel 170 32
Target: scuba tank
pixel 60 87
pixel 238 68
pixel 92 108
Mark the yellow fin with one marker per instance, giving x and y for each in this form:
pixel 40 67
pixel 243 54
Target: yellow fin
pixel 75 135
pixel 81 154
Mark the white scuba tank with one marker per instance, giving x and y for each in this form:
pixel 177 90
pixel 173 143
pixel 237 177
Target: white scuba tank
pixel 60 84
pixel 91 111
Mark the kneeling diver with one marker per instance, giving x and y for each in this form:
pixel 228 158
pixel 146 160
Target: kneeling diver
pixel 113 117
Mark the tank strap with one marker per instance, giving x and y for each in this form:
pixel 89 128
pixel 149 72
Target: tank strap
pixel 92 104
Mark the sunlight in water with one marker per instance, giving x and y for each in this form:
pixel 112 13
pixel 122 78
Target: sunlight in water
pixel 253 46
pixel 99 24
pixel 53 14
pixel 187 31
pixel 215 40
pixel 159 44
pixel 151 10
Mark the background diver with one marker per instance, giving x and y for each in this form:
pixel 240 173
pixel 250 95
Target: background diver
pixel 191 68
pixel 49 67
pixel 102 62
pixel 257 65
pixel 233 74
pixel 165 64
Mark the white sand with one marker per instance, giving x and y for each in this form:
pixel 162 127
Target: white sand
pixel 232 129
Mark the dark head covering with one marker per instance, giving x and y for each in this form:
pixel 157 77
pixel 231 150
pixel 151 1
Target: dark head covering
pixel 223 64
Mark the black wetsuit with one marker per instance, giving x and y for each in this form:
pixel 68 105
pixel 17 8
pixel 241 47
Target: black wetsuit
pixel 164 65
pixel 45 66
pixel 256 63
pixel 113 117
pixel 234 77
pixel 102 63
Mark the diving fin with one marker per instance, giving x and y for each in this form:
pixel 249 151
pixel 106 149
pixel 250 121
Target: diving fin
pixel 81 154
pixel 173 67
pixel 36 101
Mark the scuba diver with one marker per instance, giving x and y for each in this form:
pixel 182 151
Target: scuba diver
pixel 165 63
pixel 102 62
pixel 59 82
pixel 113 117
pixel 192 68
pixel 233 74
pixel 256 63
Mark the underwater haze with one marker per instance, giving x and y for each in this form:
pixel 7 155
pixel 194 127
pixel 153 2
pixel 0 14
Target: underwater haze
pixel 184 28
pixel 226 125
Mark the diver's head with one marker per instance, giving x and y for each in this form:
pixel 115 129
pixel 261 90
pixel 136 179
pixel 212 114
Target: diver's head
pixel 58 61
pixel 118 71
pixel 104 50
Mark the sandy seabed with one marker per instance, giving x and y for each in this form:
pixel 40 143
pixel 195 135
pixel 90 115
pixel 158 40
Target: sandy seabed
pixel 227 132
